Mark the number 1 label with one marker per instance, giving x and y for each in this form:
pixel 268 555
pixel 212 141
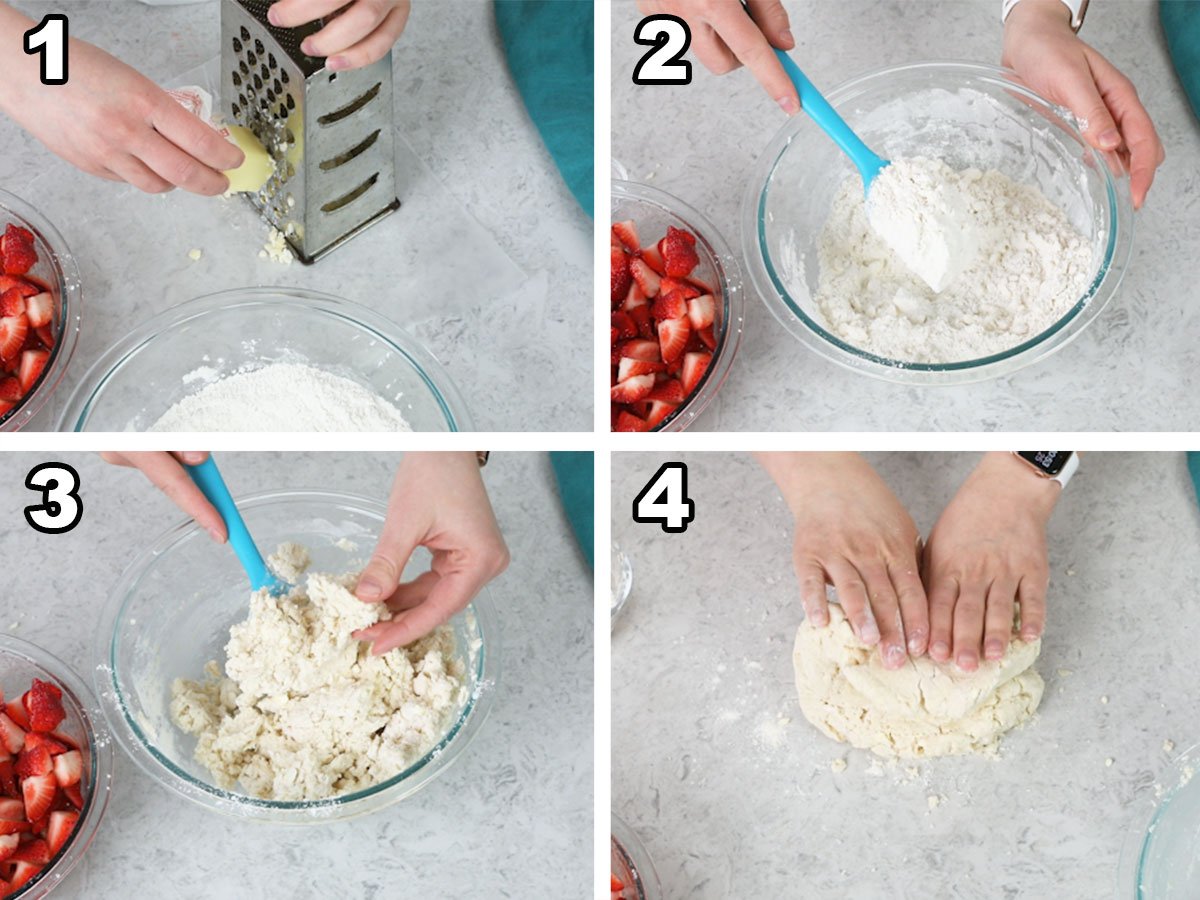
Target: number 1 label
pixel 49 40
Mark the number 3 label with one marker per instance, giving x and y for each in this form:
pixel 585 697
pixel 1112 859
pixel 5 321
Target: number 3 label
pixel 670 38
pixel 61 507
pixel 664 500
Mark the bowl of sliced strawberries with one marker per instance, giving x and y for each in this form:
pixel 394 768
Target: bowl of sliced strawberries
pixel 677 308
pixel 39 311
pixel 55 769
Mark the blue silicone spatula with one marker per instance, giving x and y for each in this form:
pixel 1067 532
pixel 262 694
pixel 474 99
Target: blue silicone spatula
pixel 208 478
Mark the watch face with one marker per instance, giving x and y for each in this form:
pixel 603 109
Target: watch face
pixel 1050 462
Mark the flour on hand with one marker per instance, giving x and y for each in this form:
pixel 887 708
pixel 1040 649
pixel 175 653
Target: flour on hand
pixel 303 711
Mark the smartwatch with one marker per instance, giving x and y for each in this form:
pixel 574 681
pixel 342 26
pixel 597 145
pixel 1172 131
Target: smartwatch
pixel 1078 10
pixel 1056 465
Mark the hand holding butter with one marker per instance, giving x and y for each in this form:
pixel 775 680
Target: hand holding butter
pixel 256 168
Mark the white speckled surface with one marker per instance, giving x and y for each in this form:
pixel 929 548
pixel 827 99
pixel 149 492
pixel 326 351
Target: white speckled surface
pixel 732 802
pixel 512 817
pixel 459 110
pixel 1128 371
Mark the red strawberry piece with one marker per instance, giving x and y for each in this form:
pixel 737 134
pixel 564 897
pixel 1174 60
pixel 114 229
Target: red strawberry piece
pixel 624 325
pixel 23 233
pixel 627 421
pixel 694 367
pixel 619 278
pixel 12 810
pixel 37 739
pixel 641 318
pixel 34 760
pixel 670 306
pixel 27 289
pixel 23 873
pixel 679 252
pixel 669 391
pixel 43 701
pixel 641 349
pixel 6 406
pixel 626 233
pixel 634 298
pixel 67 742
pixel 654 259
pixel 68 768
pixel 74 793
pixel 708 338
pixel 659 410
pixel 11 390
pixel 36 851
pixel 672 338
pixel 11 734
pixel 8 781
pixel 12 303
pixel 46 336
pixel 22 827
pixel 13 330
pixel 686 288
pixel 32 364
pixel 632 368
pixel 8 845
pixel 632 389
pixel 58 832
pixel 646 278
pixel 701 311
pixel 39 309
pixel 16 711
pixel 38 792
pixel 18 253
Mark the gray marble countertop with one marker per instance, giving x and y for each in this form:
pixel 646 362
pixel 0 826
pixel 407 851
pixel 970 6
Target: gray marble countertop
pixel 1128 371
pixel 731 789
pixel 486 263
pixel 511 818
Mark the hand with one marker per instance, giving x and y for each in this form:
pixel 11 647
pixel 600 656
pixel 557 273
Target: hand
pixel 853 533
pixel 166 472
pixel 986 553
pixel 724 37
pixel 438 502
pixel 1051 59
pixel 360 35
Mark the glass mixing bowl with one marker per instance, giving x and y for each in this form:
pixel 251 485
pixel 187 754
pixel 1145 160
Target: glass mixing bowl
pixel 20 663
pixel 631 863
pixel 156 364
pixel 652 211
pixel 56 270
pixel 1160 859
pixel 170 613
pixel 967 114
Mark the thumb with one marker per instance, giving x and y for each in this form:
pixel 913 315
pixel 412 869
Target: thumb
pixel 772 20
pixel 396 544
pixel 1096 122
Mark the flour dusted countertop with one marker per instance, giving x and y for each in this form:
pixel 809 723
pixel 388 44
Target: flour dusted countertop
pixel 736 795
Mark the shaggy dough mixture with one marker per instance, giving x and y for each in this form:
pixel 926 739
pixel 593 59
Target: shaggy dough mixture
pixel 303 711
pixel 1006 262
pixel 922 709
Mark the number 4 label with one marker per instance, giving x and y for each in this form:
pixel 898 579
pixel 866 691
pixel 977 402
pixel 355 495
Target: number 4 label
pixel 664 500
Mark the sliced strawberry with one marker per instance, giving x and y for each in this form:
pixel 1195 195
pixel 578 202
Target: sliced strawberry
pixel 641 349
pixel 687 289
pixel 632 389
pixel 13 330
pixel 642 319
pixel 659 411
pixel 694 367
pixel 36 851
pixel 23 873
pixel 46 336
pixel 619 277
pixel 18 253
pixel 634 297
pixel 34 760
pixel 669 391
pixel 12 810
pixel 74 793
pixel 701 311
pixel 68 742
pixel 32 364
pixel 11 734
pixel 39 308
pixel 37 739
pixel 617 884
pixel 670 306
pixel 58 832
pixel 12 303
pixel 11 390
pixel 654 259
pixel 43 700
pixel 27 289
pixel 627 421
pixel 646 278
pixel 23 233
pixel 632 368
pixel 38 792
pixel 7 827
pixel 68 768
pixel 8 845
pixel 672 339
pixel 16 711
pixel 8 781
pixel 626 233
pixel 624 325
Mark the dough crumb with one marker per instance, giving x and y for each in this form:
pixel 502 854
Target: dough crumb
pixel 1168 745
pixel 934 801
pixel 838 766
pixel 194 255
pixel 1104 698
pixel 1108 762
pixel 1065 673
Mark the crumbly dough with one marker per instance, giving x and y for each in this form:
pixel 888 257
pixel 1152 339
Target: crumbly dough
pixel 922 709
pixel 302 710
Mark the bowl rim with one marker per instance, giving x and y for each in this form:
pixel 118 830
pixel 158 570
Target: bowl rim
pixel 1136 843
pixel 730 283
pixel 100 755
pixel 1116 252
pixel 88 392
pixel 164 771
pixel 630 847
pixel 70 311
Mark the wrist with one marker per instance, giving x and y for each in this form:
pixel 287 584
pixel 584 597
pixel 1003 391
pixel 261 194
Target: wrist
pixel 799 475
pixel 1038 15
pixel 1014 479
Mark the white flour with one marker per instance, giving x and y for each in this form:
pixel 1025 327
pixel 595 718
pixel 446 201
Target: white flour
pixel 303 711
pixel 283 397
pixel 1017 267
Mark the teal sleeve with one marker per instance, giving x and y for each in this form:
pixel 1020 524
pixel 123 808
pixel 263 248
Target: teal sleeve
pixel 549 48
pixel 1193 461
pixel 576 489
pixel 1181 26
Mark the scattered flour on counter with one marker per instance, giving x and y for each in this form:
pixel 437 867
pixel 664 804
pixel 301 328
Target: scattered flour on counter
pixel 283 397
pixel 1016 268
pixel 302 710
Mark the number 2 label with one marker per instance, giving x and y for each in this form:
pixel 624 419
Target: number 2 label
pixel 670 38
pixel 49 40
pixel 664 500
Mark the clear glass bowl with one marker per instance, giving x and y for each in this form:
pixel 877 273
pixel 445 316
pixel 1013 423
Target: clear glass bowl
pixel 622 582
pixel 152 368
pixel 170 613
pixel 1160 859
pixel 653 210
pixel 967 114
pixel 20 663
pixel 56 269
pixel 632 864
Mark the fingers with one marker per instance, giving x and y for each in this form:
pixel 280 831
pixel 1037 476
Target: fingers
pixel 1141 139
pixel 167 474
pixel 1082 97
pixel 133 171
pixel 914 609
pixel 412 593
pixel 811 577
pixel 381 577
pixel 1031 593
pixel 374 46
pixel 290 13
pixel 772 18
pixel 449 595
pixel 998 619
pixel 711 51
pixel 180 169
pixel 747 42
pixel 943 594
pixel 968 625
pixel 886 606
pixel 852 595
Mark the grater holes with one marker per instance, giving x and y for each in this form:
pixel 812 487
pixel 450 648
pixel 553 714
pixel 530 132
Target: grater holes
pixel 245 34
pixel 282 111
pixel 353 153
pixel 266 73
pixel 245 69
pixel 252 59
pixel 237 46
pixel 257 83
pixel 237 79
pixel 271 61
pixel 352 107
pixel 258 47
pixel 278 87
pixel 285 76
pixel 291 104
pixel 236 111
pixel 348 198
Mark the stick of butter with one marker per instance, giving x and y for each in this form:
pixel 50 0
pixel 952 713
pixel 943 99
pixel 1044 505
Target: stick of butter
pixel 257 167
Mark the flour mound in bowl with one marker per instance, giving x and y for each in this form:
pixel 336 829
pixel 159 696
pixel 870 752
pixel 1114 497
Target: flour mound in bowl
pixel 302 710
pixel 1015 268
pixel 924 708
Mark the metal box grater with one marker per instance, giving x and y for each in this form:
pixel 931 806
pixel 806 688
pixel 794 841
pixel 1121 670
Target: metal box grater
pixel 331 134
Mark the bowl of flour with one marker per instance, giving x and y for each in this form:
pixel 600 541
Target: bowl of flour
pixel 266 707
pixel 266 359
pixel 1042 238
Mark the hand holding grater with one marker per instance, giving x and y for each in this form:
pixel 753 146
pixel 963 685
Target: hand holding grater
pixel 331 134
